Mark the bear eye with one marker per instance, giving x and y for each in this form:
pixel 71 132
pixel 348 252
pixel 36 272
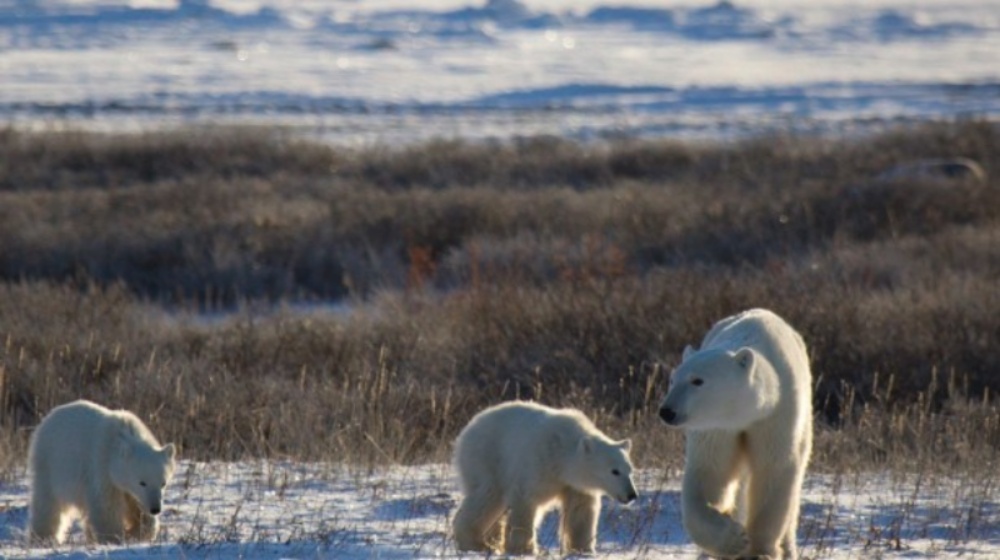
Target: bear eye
pixel 615 472
pixel 143 484
pixel 697 382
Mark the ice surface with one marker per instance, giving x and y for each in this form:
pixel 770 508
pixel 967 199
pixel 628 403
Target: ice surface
pixel 395 70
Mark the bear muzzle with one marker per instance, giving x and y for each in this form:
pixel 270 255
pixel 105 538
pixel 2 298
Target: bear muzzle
pixel 629 493
pixel 668 416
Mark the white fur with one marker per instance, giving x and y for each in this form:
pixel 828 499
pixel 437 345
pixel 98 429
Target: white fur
pixel 104 464
pixel 516 459
pixel 745 401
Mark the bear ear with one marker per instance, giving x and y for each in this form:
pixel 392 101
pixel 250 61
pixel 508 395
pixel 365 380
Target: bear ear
pixel 687 352
pixel 744 357
pixel 625 444
pixel 586 446
pixel 169 451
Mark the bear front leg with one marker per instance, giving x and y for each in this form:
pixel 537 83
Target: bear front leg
pixel 149 526
pixel 139 525
pixel 45 516
pixel 496 532
pixel 478 523
pixel 133 518
pixel 789 549
pixel 709 493
pixel 105 516
pixel 774 512
pixel 105 529
pixel 520 530
pixel 713 531
pixel 578 521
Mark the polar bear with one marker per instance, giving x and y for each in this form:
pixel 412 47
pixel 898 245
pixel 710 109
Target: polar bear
pixel 518 458
pixel 745 402
pixel 103 463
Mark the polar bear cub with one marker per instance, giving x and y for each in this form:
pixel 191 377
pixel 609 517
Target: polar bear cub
pixel 104 464
pixel 745 401
pixel 516 459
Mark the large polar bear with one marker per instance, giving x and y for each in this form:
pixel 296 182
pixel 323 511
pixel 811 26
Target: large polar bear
pixel 518 458
pixel 745 401
pixel 102 463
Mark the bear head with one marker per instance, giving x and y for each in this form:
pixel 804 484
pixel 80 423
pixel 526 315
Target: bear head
pixel 142 469
pixel 719 389
pixel 601 465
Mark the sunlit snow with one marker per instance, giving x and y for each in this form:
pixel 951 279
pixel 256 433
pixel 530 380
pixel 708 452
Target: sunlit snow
pixel 293 510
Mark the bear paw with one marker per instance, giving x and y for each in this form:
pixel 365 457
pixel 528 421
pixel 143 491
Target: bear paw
pixel 733 541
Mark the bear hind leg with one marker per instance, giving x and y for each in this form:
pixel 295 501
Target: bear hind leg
pixel 578 521
pixel 478 523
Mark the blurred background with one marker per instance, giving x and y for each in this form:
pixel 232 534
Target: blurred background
pixel 391 71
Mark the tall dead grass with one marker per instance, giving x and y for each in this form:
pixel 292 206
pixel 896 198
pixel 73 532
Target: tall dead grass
pixel 474 273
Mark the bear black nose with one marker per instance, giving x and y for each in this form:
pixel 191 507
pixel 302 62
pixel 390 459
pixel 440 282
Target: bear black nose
pixel 631 497
pixel 668 415
pixel 155 510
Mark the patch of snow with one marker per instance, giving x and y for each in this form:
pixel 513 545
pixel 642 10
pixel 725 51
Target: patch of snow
pixel 308 510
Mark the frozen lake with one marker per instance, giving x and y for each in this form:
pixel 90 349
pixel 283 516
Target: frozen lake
pixel 386 71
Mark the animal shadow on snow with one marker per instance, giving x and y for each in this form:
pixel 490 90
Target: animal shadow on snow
pixel 892 524
pixel 13 520
pixel 653 519
pixel 431 505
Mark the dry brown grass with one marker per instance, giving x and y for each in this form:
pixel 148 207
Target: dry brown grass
pixel 541 269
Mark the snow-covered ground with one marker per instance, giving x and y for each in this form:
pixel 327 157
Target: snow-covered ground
pixel 367 71
pixel 294 510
